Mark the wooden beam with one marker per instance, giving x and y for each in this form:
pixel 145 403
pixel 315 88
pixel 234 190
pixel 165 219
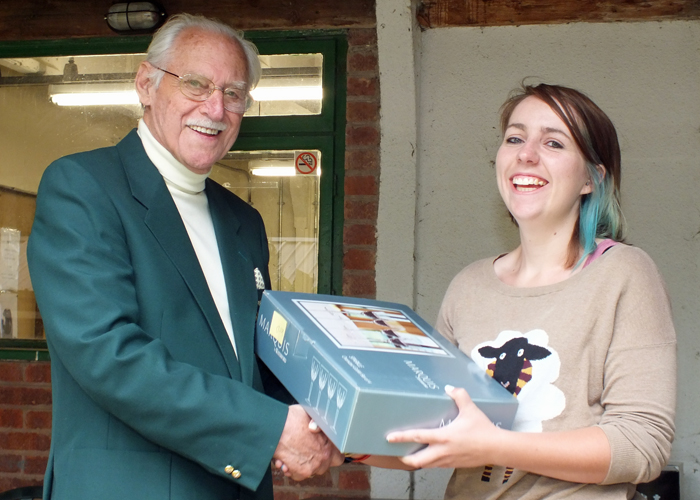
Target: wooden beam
pixel 53 19
pixel 444 13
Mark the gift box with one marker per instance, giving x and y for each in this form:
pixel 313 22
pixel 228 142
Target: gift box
pixel 362 368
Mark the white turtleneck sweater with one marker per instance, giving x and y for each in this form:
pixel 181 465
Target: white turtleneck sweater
pixel 187 190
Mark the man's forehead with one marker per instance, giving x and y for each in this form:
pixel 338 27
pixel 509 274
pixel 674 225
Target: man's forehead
pixel 196 51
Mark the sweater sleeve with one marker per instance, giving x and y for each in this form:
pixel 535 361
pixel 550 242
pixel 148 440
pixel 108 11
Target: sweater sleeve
pixel 639 395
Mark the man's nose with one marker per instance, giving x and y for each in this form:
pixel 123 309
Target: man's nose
pixel 215 105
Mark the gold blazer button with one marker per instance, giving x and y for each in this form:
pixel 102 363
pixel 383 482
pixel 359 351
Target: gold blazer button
pixel 236 474
pixel 229 470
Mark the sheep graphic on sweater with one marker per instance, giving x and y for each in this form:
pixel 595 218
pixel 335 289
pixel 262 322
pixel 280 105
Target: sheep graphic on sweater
pixel 526 366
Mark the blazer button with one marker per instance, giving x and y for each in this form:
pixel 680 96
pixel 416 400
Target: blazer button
pixel 236 474
pixel 228 469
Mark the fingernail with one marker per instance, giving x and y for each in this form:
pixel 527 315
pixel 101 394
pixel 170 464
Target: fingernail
pixel 313 425
pixel 449 388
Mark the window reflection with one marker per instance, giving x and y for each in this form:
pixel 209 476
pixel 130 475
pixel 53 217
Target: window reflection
pixel 287 199
pixel 36 130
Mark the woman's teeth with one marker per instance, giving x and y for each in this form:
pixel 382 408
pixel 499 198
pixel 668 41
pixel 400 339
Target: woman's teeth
pixel 525 183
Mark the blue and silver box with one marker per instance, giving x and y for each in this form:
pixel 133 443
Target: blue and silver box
pixel 363 368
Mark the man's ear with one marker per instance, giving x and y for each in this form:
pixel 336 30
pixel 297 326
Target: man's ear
pixel 144 84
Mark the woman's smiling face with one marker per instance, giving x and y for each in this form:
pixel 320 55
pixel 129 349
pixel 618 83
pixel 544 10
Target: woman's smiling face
pixel 541 173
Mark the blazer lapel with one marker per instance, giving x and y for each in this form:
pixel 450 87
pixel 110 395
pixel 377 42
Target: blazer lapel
pixel 239 276
pixel 165 223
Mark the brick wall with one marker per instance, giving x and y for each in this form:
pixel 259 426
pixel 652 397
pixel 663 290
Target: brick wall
pixel 361 165
pixel 25 387
pixel 25 422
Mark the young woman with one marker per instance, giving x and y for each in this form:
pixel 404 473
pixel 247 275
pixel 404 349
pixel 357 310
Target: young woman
pixel 572 322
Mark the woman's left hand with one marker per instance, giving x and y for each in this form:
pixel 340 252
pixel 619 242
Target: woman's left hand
pixel 466 442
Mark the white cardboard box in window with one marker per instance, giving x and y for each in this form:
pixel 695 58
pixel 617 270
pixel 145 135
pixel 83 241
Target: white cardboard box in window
pixel 363 368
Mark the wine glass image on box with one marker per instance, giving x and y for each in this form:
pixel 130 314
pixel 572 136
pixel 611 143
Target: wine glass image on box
pixel 328 387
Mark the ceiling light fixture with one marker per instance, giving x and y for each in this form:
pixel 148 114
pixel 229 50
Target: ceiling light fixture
pixel 135 17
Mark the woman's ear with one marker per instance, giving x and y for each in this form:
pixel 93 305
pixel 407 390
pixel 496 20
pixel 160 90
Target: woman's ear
pixel 144 84
pixel 588 187
pixel 601 171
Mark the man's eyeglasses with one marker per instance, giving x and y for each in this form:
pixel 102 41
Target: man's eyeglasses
pixel 200 88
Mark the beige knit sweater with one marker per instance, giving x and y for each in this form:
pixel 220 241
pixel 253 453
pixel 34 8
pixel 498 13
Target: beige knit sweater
pixel 596 349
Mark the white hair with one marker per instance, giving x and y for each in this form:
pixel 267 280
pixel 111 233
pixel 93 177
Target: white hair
pixel 160 51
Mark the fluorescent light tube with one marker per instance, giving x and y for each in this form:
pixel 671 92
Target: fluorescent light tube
pixel 93 94
pixel 314 93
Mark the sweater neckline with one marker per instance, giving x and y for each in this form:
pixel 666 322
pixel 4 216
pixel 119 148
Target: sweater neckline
pixel 175 174
pixel 534 291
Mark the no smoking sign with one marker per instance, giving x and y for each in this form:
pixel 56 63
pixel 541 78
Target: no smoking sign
pixel 306 163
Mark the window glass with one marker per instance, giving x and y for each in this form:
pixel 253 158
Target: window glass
pixel 290 85
pixel 54 106
pixel 284 187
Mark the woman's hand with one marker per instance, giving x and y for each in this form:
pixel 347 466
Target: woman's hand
pixel 471 440
pixel 466 442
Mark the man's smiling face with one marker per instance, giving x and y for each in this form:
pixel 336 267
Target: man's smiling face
pixel 196 133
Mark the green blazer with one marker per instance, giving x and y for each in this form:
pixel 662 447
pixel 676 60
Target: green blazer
pixel 149 398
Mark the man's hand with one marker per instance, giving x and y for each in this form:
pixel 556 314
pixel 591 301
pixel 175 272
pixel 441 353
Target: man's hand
pixel 301 452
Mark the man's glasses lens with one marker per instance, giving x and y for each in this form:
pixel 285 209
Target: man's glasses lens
pixel 199 88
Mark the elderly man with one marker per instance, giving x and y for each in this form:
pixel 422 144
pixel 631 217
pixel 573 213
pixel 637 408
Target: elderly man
pixel 148 277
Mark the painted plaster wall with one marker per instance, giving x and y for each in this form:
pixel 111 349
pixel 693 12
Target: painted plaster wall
pixel 646 76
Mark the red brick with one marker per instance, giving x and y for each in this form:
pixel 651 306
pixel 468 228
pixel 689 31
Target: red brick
pixel 11 482
pixel 35 465
pixel 362 36
pixel 354 479
pixel 361 185
pixel 359 284
pixel 359 259
pixel 322 481
pixel 362 160
pixel 24 441
pixel 286 495
pixel 362 60
pixel 360 234
pixel 362 86
pixel 362 111
pixel 21 396
pixel 38 420
pixel 364 135
pixel 11 418
pixel 360 209
pixel 278 478
pixel 10 371
pixel 11 463
pixel 38 371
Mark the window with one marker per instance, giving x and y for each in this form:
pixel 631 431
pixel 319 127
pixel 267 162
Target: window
pixel 287 162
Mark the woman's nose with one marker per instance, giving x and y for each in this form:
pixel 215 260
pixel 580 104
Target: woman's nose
pixel 528 153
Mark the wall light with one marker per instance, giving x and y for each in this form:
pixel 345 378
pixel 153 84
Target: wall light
pixel 135 17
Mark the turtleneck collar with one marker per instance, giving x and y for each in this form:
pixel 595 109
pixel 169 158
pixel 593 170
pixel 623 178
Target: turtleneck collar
pixel 175 173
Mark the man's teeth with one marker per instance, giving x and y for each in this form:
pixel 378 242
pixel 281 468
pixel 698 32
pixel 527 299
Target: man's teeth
pixel 203 130
pixel 528 183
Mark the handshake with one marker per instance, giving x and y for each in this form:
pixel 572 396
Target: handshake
pixel 304 450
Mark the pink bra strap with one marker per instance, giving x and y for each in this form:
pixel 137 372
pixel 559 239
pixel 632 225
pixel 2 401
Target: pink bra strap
pixel 600 250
